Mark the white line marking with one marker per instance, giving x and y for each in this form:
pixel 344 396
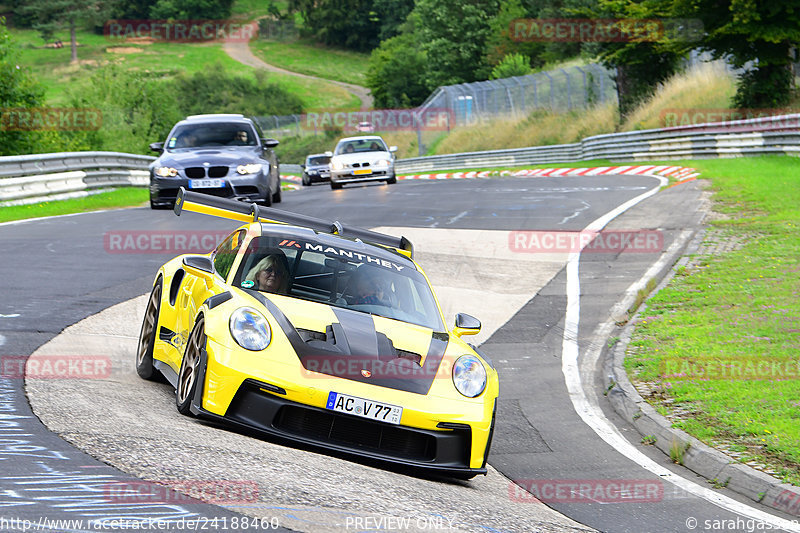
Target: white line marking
pixel 14 315
pixel 2 340
pixel 458 216
pixel 593 416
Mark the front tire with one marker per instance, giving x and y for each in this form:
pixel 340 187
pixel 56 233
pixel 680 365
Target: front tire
pixel 391 180
pixel 276 198
pixel 190 366
pixel 335 185
pixel 147 335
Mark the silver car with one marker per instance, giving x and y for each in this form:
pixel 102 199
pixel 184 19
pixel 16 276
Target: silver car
pixel 360 159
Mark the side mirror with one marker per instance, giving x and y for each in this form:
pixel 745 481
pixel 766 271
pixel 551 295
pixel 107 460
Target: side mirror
pixel 328 154
pixel 393 148
pixel 466 325
pixel 270 143
pixel 200 266
pixel 157 147
pixel 302 166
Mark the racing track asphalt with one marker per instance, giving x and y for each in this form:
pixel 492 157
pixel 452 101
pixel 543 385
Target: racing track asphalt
pixel 55 272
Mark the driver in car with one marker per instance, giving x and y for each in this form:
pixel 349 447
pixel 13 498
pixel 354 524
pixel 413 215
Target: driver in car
pixel 369 289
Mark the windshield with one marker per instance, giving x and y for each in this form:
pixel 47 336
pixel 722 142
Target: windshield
pixel 373 144
pixel 320 160
pixel 341 277
pixel 212 134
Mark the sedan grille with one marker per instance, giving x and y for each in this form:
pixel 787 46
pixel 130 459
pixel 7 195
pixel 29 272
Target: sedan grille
pixel 195 172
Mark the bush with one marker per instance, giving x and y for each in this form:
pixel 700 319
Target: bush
pixel 216 91
pixel 511 65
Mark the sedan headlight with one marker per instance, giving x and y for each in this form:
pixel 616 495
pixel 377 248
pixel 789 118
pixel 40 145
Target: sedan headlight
pixel 166 172
pixel 383 163
pixel 250 329
pixel 469 376
pixel 252 168
pixel 337 165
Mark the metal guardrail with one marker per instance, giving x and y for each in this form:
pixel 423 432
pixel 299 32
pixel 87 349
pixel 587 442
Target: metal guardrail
pixel 760 136
pixel 35 176
pixel 45 175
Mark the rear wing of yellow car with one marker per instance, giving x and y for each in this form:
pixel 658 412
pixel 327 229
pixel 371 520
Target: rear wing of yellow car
pixel 249 212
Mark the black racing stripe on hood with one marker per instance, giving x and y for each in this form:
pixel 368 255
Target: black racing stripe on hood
pixel 353 344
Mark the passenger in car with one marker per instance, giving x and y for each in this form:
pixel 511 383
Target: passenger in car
pixel 271 274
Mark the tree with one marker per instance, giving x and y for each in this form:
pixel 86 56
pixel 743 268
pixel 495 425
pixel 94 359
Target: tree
pixel 761 37
pixel 396 73
pixel 641 62
pixel 191 9
pixel 454 36
pixel 51 16
pixel 17 90
pixel 501 42
pixel 391 15
pixel 351 24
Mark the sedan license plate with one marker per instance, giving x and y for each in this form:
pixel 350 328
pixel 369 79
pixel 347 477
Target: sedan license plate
pixel 206 184
pixel 364 408
pixel 362 171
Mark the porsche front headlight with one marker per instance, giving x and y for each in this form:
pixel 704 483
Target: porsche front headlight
pixel 166 172
pixel 251 168
pixel 250 329
pixel 469 376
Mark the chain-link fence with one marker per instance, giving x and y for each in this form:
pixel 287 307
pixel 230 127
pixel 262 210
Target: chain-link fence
pixel 471 103
pixel 556 90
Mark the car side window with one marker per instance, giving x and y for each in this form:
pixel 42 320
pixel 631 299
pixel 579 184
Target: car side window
pixel 226 252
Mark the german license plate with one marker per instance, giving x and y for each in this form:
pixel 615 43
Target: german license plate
pixel 364 408
pixel 362 171
pixel 206 184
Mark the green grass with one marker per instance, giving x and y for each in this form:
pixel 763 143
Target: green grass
pixel 314 59
pixel 52 67
pixel 124 197
pixel 736 308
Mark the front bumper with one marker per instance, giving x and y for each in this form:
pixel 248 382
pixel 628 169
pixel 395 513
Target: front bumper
pixel 319 176
pixel 351 175
pixel 252 187
pixel 270 406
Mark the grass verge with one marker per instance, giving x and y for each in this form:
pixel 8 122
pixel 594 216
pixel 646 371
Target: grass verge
pixel 123 197
pixel 718 346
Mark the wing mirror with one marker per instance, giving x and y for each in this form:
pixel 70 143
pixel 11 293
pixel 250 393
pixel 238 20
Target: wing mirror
pixel 328 154
pixel 270 143
pixel 466 325
pixel 157 147
pixel 200 266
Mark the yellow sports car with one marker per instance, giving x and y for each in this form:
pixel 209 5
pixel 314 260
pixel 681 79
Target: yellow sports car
pixel 324 334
